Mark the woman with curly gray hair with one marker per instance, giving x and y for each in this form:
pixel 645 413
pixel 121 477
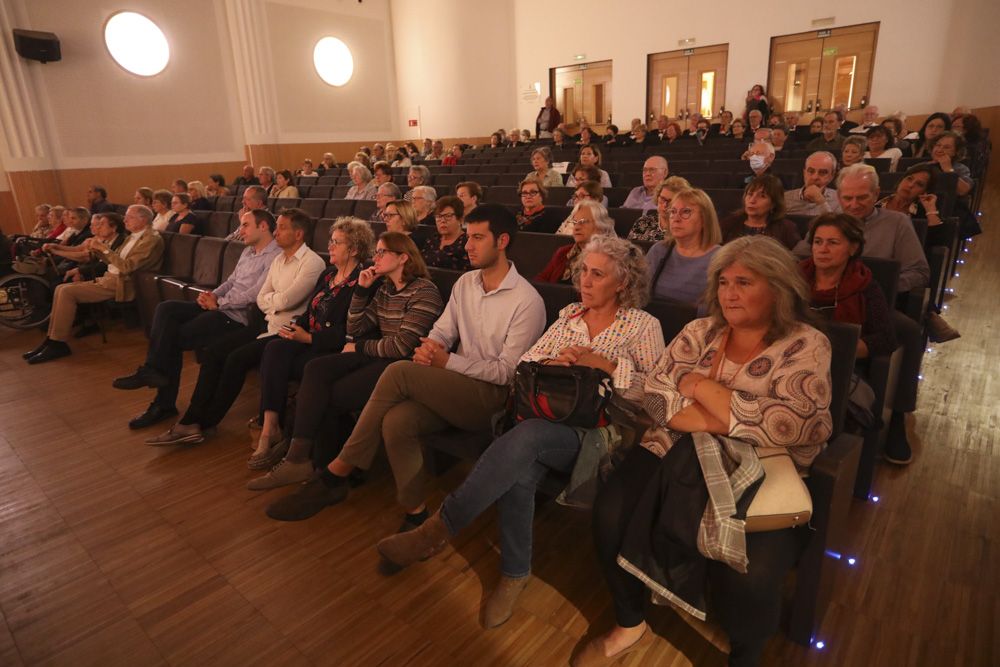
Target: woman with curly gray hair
pixel 606 330
pixel 588 219
pixel 754 371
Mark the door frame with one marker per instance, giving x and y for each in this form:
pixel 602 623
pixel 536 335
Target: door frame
pixel 649 64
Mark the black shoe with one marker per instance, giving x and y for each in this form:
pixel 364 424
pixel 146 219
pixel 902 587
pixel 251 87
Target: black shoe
pixel 56 349
pixel 897 447
pixel 143 377
pixel 31 353
pixel 154 414
pixel 308 500
pixel 87 330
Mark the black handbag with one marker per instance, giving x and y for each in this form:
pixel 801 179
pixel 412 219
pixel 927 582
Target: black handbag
pixel 572 395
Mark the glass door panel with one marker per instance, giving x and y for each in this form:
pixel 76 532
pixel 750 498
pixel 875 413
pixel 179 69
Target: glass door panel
pixel 682 83
pixel 582 93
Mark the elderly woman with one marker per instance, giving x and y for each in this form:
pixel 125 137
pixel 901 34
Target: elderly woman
pixel 445 247
pixel 364 186
pixel 199 196
pixel 534 216
pixel 559 139
pixel 585 191
pixel 672 133
pixel 589 219
pixel 541 161
pixel 763 212
pixel 184 220
pixel 320 330
pixel 401 217
pixel 283 188
pixel 416 176
pixel 842 287
pixel 162 200
pixel 423 198
pixel 852 151
pixel 393 305
pixel 755 371
pixel 590 156
pixel 454 155
pixel 738 130
pixel 678 265
pixel 651 227
pixel 328 162
pixel 470 193
pixel 606 330
pixel 881 144
pixel 946 149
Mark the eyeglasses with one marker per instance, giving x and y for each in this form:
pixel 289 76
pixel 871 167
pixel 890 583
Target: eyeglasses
pixel 387 214
pixel 682 213
pixel 581 221
pixel 378 254
pixel 334 243
pixel 445 217
pixel 530 193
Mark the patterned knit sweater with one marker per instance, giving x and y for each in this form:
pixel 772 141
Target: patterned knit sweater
pixel 399 317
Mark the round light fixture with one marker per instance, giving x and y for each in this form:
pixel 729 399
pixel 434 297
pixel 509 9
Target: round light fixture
pixel 136 43
pixel 333 61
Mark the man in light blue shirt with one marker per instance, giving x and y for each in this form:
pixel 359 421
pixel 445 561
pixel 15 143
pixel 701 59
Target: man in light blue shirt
pixel 643 197
pixel 187 325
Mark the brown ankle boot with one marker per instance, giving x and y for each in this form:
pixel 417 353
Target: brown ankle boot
pixel 403 549
pixel 500 605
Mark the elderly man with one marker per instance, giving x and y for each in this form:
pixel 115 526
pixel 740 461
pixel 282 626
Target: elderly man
pixel 427 149
pixel 654 170
pixel 417 175
pixel 755 121
pixel 142 250
pixel 831 139
pixel 266 177
pixel 760 156
pixel 815 197
pixel 548 119
pixel 254 198
pixel 660 133
pixel 378 152
pixel 110 229
pixel 97 200
pixel 188 325
pixel 386 193
pixel 423 200
pixel 779 137
pixel 869 119
pixel 437 152
pixel 845 124
pixel 246 178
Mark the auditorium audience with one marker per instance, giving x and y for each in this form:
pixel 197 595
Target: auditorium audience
pixel 654 170
pixel 423 198
pixel 266 177
pixel 590 156
pixel 246 177
pixel 162 202
pixel 852 151
pixel 831 139
pixel 97 200
pixel 678 263
pixel 756 356
pixel 199 197
pixel 470 193
pixel 283 188
pixel 760 157
pixel 881 144
pixel 650 226
pixel 444 247
pixel 143 196
pixel 738 130
pixel 143 250
pixel 109 228
pixel 329 162
pixel 606 330
pixel 416 175
pixel 534 216
pixel 976 145
pixel 914 196
pixel 763 213
pixel 386 193
pixel 755 122
pixel 541 162
pixel 588 219
pixel 935 124
pixel 43 224
pixel 756 101
pixel 401 217
pixel 724 127
pixel 945 150
pixel 779 136
pixel 178 186
pixel 363 186
pixel 454 154
pixel 815 197
pixel 184 220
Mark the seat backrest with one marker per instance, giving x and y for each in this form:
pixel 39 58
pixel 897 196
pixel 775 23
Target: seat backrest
pixel 313 207
pixel 340 191
pixel 180 255
pixel 885 272
pixel 230 258
pixel 843 350
pixel 555 296
pixel 218 224
pixel 276 205
pixel 336 208
pixel 321 234
pixel 673 316
pixel 208 261
pixel 445 280
pixel 531 251
pixel 624 219
pixel 225 203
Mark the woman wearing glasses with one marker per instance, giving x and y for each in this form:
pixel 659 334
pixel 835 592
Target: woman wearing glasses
pixel 445 247
pixel 393 306
pixel 650 226
pixel 401 217
pixel 589 219
pixel 678 265
pixel 533 216
pixel 841 285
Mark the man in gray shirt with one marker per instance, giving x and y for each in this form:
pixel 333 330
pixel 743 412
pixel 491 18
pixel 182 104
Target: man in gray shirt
pixel 815 197
pixel 187 325
pixel 494 315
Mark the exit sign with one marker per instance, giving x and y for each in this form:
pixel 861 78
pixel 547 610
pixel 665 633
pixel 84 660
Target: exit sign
pixel 832 51
pixel 413 122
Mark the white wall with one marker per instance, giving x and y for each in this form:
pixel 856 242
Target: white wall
pixel 920 47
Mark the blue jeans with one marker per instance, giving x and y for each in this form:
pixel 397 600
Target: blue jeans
pixel 508 473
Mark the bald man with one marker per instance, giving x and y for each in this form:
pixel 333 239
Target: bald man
pixel 643 197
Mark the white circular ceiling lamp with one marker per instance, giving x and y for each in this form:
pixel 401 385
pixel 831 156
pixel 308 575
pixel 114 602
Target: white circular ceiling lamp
pixel 333 61
pixel 136 43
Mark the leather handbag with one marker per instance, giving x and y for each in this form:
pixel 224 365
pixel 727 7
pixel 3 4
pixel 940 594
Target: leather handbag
pixel 572 395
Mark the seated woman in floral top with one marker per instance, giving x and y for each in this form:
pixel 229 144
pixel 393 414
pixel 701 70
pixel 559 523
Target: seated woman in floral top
pixel 754 370
pixel 445 247
pixel 650 227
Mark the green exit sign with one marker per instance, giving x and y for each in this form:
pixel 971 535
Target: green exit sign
pixel 578 81
pixel 832 51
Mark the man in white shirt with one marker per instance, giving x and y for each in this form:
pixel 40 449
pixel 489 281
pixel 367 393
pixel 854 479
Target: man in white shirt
pixel 815 198
pixel 495 316
pixel 654 170
pixel 226 361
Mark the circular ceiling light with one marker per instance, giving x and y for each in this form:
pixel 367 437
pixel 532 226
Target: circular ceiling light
pixel 136 43
pixel 333 60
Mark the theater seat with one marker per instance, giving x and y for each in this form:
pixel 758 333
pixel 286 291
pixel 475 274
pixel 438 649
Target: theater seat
pixel 205 267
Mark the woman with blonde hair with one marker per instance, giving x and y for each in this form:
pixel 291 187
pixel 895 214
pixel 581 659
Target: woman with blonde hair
pixel 651 227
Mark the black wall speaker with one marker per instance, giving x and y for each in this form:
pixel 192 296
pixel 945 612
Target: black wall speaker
pixel 35 45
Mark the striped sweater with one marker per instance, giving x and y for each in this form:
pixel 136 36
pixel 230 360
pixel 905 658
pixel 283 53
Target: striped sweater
pixel 399 317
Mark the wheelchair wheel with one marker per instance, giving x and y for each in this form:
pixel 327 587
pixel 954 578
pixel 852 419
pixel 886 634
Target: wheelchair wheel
pixel 25 301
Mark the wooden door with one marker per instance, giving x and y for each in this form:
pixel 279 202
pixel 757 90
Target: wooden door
pixel 682 83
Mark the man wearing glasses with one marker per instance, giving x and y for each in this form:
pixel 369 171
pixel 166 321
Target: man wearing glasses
pixel 643 197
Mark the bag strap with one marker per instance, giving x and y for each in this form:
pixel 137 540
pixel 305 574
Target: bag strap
pixel 659 267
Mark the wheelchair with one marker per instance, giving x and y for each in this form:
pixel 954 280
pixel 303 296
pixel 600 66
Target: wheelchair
pixel 25 300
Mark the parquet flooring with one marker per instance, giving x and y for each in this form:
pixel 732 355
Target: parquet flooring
pixel 114 553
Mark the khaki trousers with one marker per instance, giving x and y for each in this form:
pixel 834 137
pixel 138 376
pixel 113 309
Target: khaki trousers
pixel 409 401
pixel 64 303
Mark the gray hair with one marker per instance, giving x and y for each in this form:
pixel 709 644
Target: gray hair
pixel 775 264
pixel 630 268
pixel 366 174
pixel 766 145
pixel 423 172
pixel 425 192
pixel 860 142
pixel 144 212
pixel 605 223
pixel 391 189
pixel 827 155
pixel 545 152
pixel 268 171
pixel 865 171
pixel 359 235
pixel 198 187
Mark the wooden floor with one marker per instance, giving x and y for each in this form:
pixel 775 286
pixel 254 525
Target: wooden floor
pixel 115 553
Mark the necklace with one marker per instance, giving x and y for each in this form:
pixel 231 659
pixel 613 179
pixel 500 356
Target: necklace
pixel 719 373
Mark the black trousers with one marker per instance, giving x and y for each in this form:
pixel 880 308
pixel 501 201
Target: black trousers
pixel 748 606
pixel 283 361
pixel 179 326
pixel 911 337
pixel 224 368
pixel 333 386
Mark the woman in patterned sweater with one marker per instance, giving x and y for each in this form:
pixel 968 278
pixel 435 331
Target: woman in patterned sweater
pixel 607 330
pixel 753 370
pixel 393 306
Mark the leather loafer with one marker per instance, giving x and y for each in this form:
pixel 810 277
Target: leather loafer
pixel 154 414
pixel 30 353
pixel 56 349
pixel 143 377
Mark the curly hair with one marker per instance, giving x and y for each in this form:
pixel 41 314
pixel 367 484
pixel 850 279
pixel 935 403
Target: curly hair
pixel 775 264
pixel 360 237
pixel 630 268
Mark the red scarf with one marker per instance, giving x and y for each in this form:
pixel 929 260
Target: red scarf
pixel 847 296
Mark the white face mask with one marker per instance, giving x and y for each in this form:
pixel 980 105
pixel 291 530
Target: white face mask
pixel 757 162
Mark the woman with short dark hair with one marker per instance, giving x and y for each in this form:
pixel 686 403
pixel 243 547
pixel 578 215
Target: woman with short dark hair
pixel 763 212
